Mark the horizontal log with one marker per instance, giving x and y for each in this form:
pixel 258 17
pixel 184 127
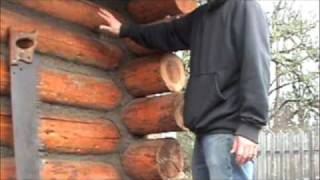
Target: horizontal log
pixel 66 135
pixel 154 115
pixel 154 74
pixel 145 11
pixel 78 90
pixel 6 135
pixel 64 169
pixel 7 168
pixel 153 159
pixel 4 76
pixel 59 41
pixel 71 89
pixel 138 49
pixel 80 12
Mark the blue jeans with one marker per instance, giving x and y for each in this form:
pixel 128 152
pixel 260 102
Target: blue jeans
pixel 212 159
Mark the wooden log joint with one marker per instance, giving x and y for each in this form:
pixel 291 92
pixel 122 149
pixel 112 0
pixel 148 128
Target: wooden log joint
pixel 154 115
pixel 145 11
pixel 154 74
pixel 157 159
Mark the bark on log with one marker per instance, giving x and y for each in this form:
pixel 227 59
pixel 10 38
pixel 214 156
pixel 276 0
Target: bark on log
pixel 154 74
pixel 70 89
pixel 145 11
pixel 66 135
pixel 63 170
pixel 153 159
pixel 59 41
pixel 80 12
pixel 154 115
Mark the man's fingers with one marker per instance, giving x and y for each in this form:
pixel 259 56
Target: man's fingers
pixel 234 146
pixel 239 153
pixel 107 18
pixel 105 12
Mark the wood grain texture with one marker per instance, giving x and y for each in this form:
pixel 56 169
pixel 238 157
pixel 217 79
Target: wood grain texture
pixel 64 170
pixel 69 135
pixel 59 41
pixel 154 115
pixel 80 12
pixel 158 159
pixel 146 11
pixel 154 74
pixel 70 89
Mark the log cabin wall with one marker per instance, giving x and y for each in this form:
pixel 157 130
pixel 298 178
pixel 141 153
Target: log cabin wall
pixel 96 93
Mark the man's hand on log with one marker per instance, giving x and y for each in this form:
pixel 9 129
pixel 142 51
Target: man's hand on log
pixel 244 150
pixel 113 26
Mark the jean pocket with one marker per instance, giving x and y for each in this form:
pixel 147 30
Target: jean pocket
pixel 202 94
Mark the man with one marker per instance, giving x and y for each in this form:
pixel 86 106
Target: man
pixel 226 100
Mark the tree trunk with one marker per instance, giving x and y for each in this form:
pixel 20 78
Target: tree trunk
pixel 153 159
pixel 59 41
pixel 154 74
pixel 145 11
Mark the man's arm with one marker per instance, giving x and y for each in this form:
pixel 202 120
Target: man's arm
pixel 251 37
pixel 166 36
pixel 169 35
pixel 253 46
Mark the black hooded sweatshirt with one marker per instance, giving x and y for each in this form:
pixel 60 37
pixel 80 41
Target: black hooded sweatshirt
pixel 227 91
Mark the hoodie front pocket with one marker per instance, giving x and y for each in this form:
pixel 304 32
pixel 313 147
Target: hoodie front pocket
pixel 201 96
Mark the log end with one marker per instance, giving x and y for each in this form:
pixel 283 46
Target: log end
pixel 153 159
pixel 186 6
pixel 170 159
pixel 173 73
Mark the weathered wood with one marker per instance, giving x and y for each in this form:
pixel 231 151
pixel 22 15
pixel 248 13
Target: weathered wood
pixel 70 89
pixel 69 135
pixel 78 90
pixel 64 169
pixel 7 168
pixel 80 12
pixel 60 134
pixel 6 135
pixel 4 76
pixel 153 159
pixel 59 41
pixel 154 115
pixel 145 11
pixel 154 74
